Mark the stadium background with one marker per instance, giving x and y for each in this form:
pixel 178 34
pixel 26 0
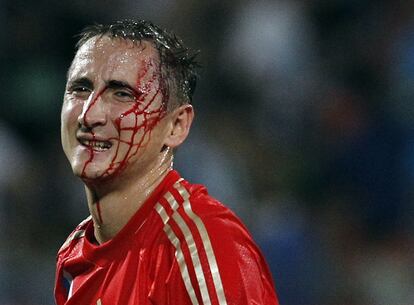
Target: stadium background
pixel 304 127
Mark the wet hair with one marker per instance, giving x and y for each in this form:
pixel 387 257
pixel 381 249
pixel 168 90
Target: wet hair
pixel 177 62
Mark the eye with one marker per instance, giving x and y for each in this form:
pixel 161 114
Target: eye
pixel 80 91
pixel 124 96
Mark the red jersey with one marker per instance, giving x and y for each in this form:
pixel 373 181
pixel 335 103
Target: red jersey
pixel 182 247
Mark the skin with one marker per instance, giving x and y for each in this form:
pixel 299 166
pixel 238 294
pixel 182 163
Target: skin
pixel 115 130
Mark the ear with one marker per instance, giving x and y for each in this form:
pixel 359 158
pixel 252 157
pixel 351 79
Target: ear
pixel 181 119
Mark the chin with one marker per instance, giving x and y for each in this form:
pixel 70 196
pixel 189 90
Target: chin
pixel 95 172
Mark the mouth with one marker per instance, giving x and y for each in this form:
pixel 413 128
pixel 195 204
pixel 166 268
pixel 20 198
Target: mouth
pixel 95 145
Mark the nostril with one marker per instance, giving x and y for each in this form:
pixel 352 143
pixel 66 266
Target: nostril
pixel 84 128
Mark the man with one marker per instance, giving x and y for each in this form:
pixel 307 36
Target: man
pixel 152 237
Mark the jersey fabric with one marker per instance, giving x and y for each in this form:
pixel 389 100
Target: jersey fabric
pixel 182 247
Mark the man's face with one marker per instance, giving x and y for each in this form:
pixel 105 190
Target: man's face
pixel 112 114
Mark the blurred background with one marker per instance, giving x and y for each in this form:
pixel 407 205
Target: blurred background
pixel 304 127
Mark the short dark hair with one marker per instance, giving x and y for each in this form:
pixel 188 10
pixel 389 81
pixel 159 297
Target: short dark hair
pixel 177 62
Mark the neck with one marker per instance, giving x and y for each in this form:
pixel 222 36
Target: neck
pixel 111 210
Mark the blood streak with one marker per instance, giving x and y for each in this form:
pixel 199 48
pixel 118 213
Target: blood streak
pixel 149 121
pixel 150 118
pixel 85 118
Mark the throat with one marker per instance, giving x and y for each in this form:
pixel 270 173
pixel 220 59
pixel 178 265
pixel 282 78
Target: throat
pixel 112 206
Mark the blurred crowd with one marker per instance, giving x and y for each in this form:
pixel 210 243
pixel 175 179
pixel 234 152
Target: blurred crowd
pixel 304 127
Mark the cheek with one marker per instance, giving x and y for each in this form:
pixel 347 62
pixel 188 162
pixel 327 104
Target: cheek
pixel 70 113
pixel 127 121
pixel 131 127
pixel 69 123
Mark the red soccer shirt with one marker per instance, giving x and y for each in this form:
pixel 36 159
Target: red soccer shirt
pixel 182 247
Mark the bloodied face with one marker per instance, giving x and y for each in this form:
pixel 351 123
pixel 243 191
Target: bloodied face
pixel 113 111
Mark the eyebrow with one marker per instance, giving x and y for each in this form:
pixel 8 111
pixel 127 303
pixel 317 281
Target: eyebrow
pixel 83 81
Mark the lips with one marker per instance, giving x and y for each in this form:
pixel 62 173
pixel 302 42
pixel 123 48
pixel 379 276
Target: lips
pixel 94 143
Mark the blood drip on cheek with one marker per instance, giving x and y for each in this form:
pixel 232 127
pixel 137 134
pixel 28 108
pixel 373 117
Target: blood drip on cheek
pixel 91 152
pixel 151 116
pixel 146 116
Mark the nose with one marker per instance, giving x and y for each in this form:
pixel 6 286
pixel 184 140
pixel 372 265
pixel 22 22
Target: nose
pixel 93 111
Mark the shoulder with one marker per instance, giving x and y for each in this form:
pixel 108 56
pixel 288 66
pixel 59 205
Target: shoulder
pixel 189 205
pixel 76 234
pixel 206 211
pixel 193 219
pixel 192 206
pixel 214 249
